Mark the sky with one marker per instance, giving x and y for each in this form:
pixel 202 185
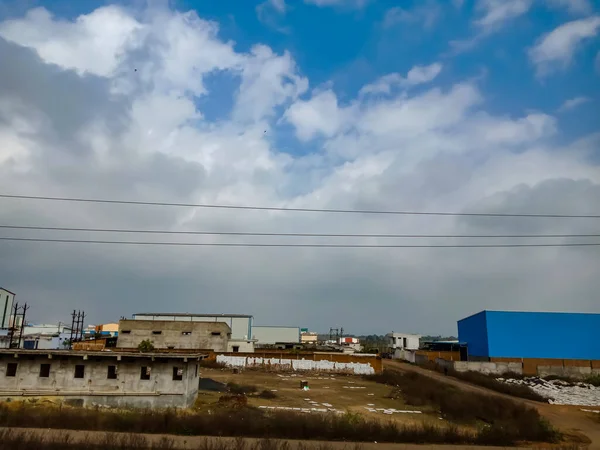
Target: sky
pixel 428 105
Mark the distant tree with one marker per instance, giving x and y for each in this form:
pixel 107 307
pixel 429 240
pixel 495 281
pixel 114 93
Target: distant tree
pixel 146 346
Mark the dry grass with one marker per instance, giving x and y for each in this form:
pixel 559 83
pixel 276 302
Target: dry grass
pixel 503 419
pixel 247 422
pixel 490 382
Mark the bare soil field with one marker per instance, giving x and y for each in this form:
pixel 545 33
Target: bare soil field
pixel 333 393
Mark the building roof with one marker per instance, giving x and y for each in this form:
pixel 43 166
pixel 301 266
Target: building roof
pixel 528 312
pixel 4 289
pixel 103 354
pixel 193 315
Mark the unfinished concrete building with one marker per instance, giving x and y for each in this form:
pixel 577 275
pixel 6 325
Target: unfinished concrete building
pixel 174 335
pixel 116 379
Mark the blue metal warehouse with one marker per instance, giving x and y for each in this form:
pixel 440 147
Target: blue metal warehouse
pixel 511 334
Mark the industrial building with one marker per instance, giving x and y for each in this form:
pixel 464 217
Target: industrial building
pixel 240 325
pixel 7 298
pixel 116 379
pixel 267 336
pixel 520 335
pixel 174 334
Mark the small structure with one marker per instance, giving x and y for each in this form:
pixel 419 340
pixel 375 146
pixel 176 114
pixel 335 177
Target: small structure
pixel 116 379
pixel 174 335
pixel 45 336
pixel 306 337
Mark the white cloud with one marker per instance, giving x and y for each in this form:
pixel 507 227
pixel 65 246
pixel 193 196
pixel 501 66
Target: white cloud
pixel 340 3
pixel 417 75
pixel 556 49
pixel 94 43
pixel 426 14
pixel 148 136
pixel 319 115
pixel 572 6
pixel 573 103
pixel 495 13
pixel 268 80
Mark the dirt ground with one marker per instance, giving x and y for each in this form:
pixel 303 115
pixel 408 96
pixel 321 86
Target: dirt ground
pixel 578 426
pixel 332 392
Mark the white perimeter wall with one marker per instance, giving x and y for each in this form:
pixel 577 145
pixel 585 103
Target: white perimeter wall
pixel 298 364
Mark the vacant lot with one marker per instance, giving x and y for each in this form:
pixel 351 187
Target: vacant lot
pixel 330 392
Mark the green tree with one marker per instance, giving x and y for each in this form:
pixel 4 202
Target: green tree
pixel 146 346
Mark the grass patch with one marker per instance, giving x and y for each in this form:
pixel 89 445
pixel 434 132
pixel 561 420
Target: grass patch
pixel 490 382
pixel 504 419
pixel 256 423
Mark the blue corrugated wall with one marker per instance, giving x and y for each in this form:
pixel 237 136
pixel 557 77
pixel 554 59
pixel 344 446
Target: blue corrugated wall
pixel 473 331
pixel 532 335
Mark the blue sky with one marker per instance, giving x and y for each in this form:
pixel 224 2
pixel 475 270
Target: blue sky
pixel 425 105
pixel 350 46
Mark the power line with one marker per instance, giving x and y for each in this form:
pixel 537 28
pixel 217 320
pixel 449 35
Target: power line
pixel 235 244
pixel 248 233
pixel 312 210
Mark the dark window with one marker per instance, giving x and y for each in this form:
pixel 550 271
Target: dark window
pixel 177 373
pixel 171 347
pixel 216 333
pixel 186 333
pixel 404 342
pixel 11 370
pixel 157 332
pixel 44 370
pixel 79 370
pixel 196 371
pixel 125 331
pixel 145 373
pixel 236 348
pixel 112 373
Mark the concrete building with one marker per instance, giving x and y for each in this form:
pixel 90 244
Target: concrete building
pixel 403 341
pixel 116 379
pixel 263 335
pixel 7 299
pixel 240 324
pixel 511 334
pixel 174 334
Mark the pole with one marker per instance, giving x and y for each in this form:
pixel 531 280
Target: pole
pixel 25 308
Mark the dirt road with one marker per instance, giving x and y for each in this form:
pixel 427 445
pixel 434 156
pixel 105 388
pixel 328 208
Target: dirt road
pixel 570 420
pixel 200 442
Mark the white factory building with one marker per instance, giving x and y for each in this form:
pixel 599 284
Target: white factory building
pixel 399 342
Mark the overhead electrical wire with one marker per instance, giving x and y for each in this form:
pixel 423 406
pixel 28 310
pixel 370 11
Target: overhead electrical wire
pixel 311 210
pixel 246 244
pixel 336 235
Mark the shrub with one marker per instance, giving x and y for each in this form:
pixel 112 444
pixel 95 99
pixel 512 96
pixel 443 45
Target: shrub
pixel 267 395
pixel 146 346
pixel 241 389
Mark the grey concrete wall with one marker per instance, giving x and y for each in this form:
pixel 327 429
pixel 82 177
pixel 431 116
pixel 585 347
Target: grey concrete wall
pixel 492 368
pixel 569 372
pixel 96 388
pixel 174 334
